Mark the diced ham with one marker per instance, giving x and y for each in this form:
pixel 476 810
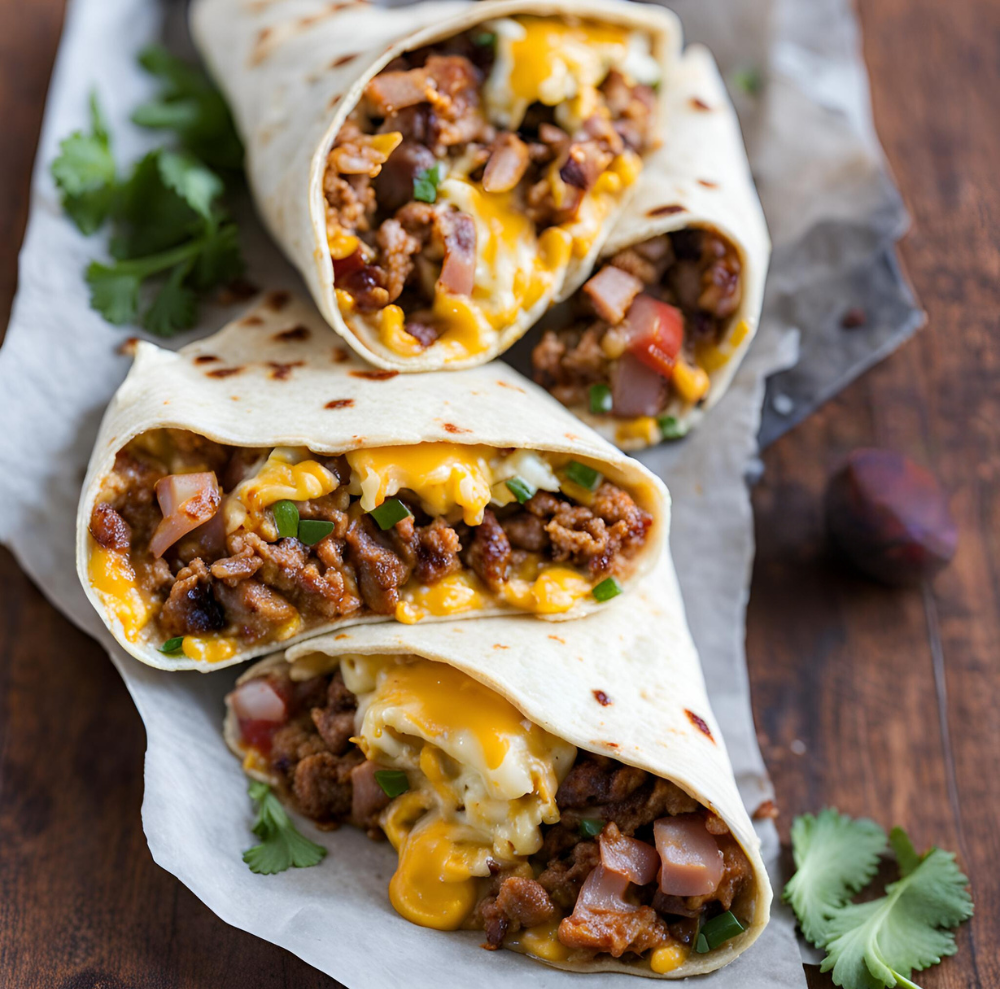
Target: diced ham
pixel 692 862
pixel 656 333
pixel 458 271
pixel 636 390
pixel 187 501
pixel 507 163
pixel 258 700
pixel 612 291
pixel 629 857
pixel 390 92
pixel 604 889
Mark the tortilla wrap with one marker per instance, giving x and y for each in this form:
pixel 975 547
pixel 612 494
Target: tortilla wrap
pixel 700 177
pixel 272 379
pixel 625 682
pixel 294 71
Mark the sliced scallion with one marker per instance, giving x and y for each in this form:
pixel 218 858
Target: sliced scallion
pixel 286 518
pixel 520 489
pixel 389 513
pixel 586 477
pixel 392 781
pixel 426 182
pixel 484 38
pixel 670 428
pixel 311 531
pixel 172 646
pixel 600 399
pixel 591 827
pixel 717 931
pixel 607 589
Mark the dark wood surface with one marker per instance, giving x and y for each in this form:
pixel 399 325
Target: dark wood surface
pixel 881 702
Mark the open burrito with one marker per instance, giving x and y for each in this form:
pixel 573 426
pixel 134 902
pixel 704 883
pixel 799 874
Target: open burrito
pixel 653 338
pixel 260 486
pixel 440 173
pixel 569 796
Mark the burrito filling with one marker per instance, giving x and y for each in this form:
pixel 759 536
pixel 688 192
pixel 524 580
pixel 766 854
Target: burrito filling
pixel 640 340
pixel 473 170
pixel 213 547
pixel 499 826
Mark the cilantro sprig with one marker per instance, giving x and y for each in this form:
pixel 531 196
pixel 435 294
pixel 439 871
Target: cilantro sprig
pixel 282 845
pixel 879 943
pixel 171 237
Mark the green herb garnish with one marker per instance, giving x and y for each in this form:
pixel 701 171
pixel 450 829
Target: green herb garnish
pixel 426 182
pixel 586 477
pixel 389 513
pixel 607 589
pixel 484 38
pixel 748 81
pixel 392 781
pixel 600 399
pixel 717 931
pixel 878 943
pixel 670 428
pixel 282 845
pixel 286 518
pixel 172 646
pixel 520 489
pixel 591 827
pixel 311 531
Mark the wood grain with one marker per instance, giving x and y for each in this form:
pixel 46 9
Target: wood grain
pixel 838 664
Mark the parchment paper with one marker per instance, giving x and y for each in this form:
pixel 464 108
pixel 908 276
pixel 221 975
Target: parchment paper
pixel 831 209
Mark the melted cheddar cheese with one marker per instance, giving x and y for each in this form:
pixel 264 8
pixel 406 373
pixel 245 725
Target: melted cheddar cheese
pixel 112 577
pixel 444 476
pixel 452 595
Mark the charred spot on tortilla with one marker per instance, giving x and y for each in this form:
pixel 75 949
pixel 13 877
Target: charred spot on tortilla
pixel 207 359
pixel 666 210
pixel 293 335
pixel 261 49
pixel 339 403
pixel 238 290
pixel 500 645
pixel 373 375
pixel 282 372
pixel 224 372
pixel 699 104
pixel 340 355
pixel 699 723
pixel 558 638
pixel 343 60
pixel 507 384
pixel 334 100
pixel 708 184
pixel 251 321
pixel 450 427
pixel 601 697
pixel 276 301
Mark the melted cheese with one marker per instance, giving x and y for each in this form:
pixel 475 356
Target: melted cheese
pixel 443 476
pixel 542 941
pixel 393 334
pixel 711 357
pixel 454 594
pixel 645 429
pixel 555 590
pixel 112 577
pixel 287 475
pixel 667 957
pixel 208 648
pixel 482 780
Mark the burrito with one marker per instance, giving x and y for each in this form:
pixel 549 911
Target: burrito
pixel 260 486
pixel 567 796
pixel 442 173
pixel 653 338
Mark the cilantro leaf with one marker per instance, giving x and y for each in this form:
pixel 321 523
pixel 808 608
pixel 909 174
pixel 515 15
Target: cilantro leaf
pixel 881 942
pixel 190 106
pixel 114 293
pixel 191 180
pixel 85 173
pixel 175 306
pixel 282 845
pixel 835 856
pixel 220 259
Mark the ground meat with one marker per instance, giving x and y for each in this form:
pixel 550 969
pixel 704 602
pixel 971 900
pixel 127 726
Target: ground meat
pixel 335 722
pixel 321 785
pixel 614 932
pixel 563 876
pixel 596 779
pixel 253 609
pixel 233 569
pixel 191 608
pixel 520 902
pixel 398 248
pixel 489 552
pixel 437 552
pixel 381 571
pixel 109 529
pixel 526 531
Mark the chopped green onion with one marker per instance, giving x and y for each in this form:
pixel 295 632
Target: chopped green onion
pixel 311 531
pixel 586 477
pixel 670 428
pixel 392 781
pixel 520 489
pixel 389 513
pixel 286 518
pixel 484 38
pixel 749 81
pixel 426 183
pixel 591 827
pixel 717 931
pixel 172 646
pixel 607 589
pixel 600 399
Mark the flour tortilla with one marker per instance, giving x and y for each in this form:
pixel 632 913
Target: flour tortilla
pixel 274 378
pixel 638 650
pixel 293 71
pixel 699 178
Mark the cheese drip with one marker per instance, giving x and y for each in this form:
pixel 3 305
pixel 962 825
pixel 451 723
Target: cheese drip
pixel 482 780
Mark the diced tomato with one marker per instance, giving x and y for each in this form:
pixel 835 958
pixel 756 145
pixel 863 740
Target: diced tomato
pixel 655 333
pixel 346 266
pixel 257 734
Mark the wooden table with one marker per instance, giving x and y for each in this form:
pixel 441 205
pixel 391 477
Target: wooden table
pixel 880 702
